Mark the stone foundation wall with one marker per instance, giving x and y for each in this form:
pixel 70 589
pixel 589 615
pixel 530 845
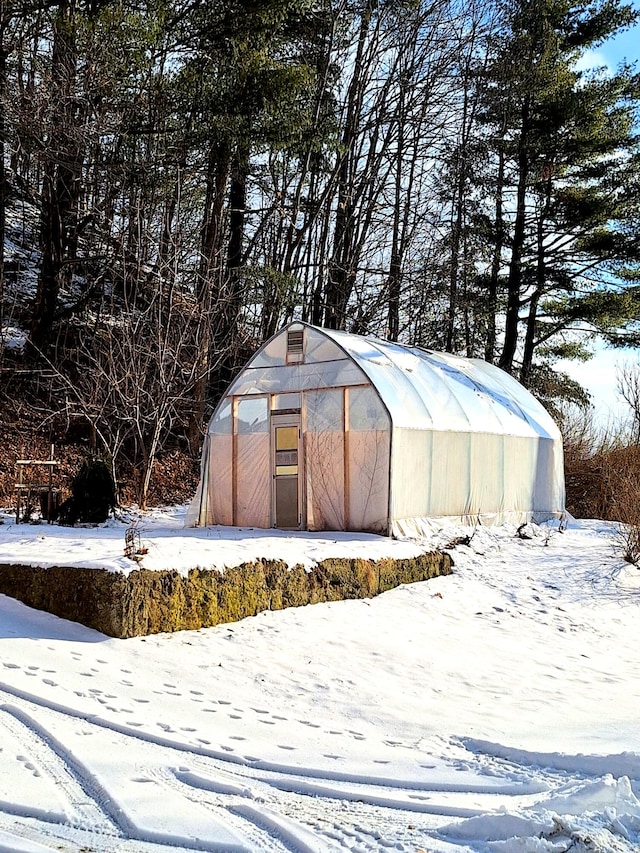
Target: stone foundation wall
pixel 147 602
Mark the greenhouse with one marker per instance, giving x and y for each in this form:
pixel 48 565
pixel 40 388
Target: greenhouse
pixel 325 430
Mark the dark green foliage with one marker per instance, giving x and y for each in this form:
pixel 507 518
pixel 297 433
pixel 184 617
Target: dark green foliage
pixel 551 162
pixel 93 495
pixel 197 174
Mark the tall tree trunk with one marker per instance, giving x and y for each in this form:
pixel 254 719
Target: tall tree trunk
pixel 530 337
pixel 454 263
pixel 3 195
pixel 60 181
pixel 496 261
pixel 209 280
pixel 456 227
pixel 515 269
pixel 341 271
pixel 395 261
pixel 228 304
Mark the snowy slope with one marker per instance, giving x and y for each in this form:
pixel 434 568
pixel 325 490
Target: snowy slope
pixel 496 709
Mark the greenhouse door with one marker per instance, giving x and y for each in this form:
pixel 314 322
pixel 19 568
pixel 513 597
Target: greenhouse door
pixel 285 436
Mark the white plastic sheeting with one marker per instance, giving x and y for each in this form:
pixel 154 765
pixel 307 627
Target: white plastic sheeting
pixel 392 439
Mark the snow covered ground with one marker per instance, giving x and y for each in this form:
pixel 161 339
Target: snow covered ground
pixel 497 709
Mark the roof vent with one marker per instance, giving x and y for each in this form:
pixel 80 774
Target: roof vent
pixel 295 345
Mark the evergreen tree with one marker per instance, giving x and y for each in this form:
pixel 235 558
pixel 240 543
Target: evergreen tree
pixel 564 155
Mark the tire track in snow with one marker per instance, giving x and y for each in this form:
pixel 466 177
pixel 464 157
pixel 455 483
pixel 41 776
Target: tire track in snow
pixel 278 808
pixel 219 794
pixel 259 768
pixel 93 808
pixel 85 807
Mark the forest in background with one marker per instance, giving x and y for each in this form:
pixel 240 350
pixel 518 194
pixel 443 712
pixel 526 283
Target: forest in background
pixel 178 179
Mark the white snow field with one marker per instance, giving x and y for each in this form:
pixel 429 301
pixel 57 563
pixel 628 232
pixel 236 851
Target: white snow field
pixel 496 709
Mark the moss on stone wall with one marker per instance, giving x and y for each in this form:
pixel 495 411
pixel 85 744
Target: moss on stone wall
pixel 146 602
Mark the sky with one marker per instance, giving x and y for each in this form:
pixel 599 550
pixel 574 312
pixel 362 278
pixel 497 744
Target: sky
pixel 494 710
pixel 599 377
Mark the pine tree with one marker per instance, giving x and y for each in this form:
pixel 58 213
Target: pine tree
pixel 564 153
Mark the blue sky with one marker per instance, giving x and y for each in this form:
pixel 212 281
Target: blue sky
pixel 626 45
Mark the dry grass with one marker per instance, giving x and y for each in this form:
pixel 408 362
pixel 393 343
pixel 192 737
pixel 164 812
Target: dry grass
pixel 602 472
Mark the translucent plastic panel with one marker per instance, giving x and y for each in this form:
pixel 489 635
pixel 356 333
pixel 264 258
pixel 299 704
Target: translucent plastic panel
pixel 519 472
pixel 440 401
pixel 490 410
pixel 252 416
pixel 321 348
pixel 411 473
pixel 548 490
pixel 273 353
pixel 198 510
pixel 317 347
pixel 450 473
pixel 220 491
pixel 324 462
pixel 253 481
pixel 366 411
pixel 363 349
pixel 222 423
pixel 510 394
pixel 324 410
pixel 368 480
pixel 400 396
pixel 473 402
pixel 486 474
pixel 512 419
pixel 297 377
pixel 448 392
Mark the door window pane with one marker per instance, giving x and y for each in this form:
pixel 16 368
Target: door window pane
pixel 287 438
pixel 286 470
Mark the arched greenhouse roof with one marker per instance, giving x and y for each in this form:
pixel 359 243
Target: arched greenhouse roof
pixel 428 390
pixel 420 389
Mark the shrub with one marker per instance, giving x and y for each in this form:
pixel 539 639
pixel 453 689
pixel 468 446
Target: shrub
pixel 93 495
pixel 602 472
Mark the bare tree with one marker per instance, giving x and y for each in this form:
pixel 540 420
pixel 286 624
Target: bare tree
pixel 628 386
